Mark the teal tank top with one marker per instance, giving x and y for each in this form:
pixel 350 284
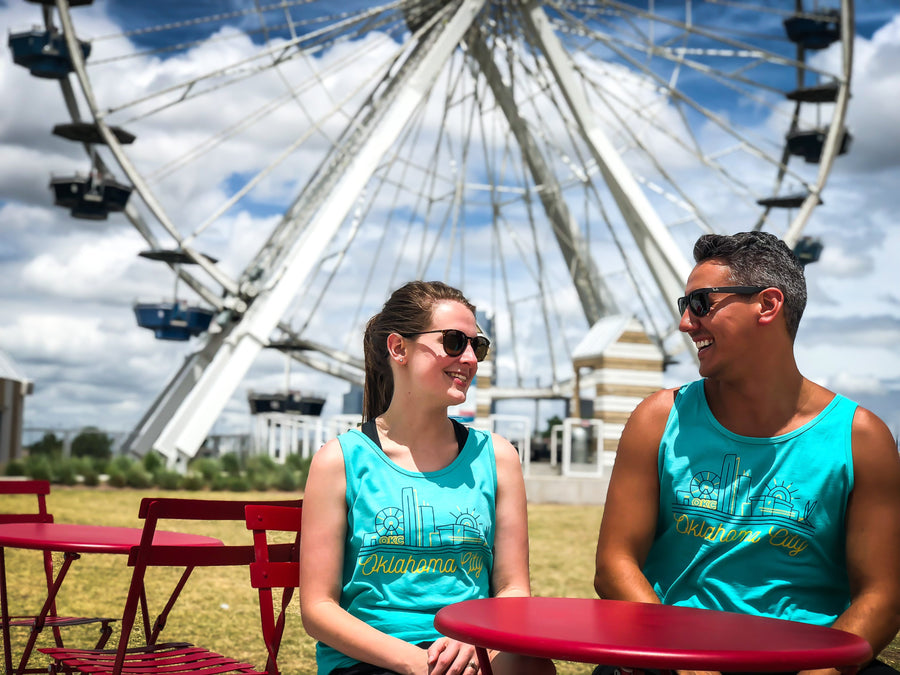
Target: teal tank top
pixel 415 541
pixel 753 525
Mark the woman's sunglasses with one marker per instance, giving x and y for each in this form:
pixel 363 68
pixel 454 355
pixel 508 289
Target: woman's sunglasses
pixel 699 303
pixel 455 341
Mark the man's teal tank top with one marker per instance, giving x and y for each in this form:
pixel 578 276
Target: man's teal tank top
pixel 415 541
pixel 753 525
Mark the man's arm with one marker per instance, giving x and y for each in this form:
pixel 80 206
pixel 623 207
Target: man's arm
pixel 632 504
pixel 873 534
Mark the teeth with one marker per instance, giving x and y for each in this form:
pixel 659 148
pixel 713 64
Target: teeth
pixel 459 376
pixel 700 344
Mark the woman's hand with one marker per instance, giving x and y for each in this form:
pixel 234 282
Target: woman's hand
pixel 450 657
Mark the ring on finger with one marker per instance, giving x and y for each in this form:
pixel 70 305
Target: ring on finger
pixel 473 665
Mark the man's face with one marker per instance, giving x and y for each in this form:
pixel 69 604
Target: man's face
pixel 723 332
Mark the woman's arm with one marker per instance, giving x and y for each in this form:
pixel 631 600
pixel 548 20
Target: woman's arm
pixel 323 532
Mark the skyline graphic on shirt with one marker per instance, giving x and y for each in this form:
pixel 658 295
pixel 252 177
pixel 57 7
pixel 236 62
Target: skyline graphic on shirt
pixel 727 495
pixel 414 526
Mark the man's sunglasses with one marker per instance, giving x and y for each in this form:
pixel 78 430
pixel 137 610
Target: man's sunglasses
pixel 455 341
pixel 698 300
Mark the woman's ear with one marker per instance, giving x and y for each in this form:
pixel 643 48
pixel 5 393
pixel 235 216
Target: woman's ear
pixel 396 345
pixel 771 302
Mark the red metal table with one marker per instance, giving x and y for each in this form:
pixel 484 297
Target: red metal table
pixel 644 635
pixel 72 540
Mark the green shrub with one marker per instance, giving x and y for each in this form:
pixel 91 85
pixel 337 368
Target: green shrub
pixel 116 476
pixel 167 480
pixel 297 461
pixel 15 467
pixel 99 464
pixel 288 481
pixel 119 464
pixel 193 482
pixel 239 484
pixel 301 466
pixel 231 463
pixel 65 472
pixel 261 482
pixel 261 464
pixel 207 467
pixel 90 475
pixel 38 468
pixel 154 462
pixel 222 482
pixel 138 477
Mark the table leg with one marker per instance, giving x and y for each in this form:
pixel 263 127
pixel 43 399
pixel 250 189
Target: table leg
pixel 484 662
pixel 4 615
pixel 49 604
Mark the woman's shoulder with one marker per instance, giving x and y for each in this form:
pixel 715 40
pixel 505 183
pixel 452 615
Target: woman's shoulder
pixel 505 453
pixel 329 457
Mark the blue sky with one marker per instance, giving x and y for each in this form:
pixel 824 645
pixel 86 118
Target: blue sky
pixel 70 284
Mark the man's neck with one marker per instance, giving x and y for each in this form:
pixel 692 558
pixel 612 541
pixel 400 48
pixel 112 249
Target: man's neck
pixel 766 406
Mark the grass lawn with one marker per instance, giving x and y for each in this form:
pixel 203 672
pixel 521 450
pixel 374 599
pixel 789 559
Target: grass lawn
pixel 218 608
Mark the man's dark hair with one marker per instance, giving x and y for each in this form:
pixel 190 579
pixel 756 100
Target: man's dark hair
pixel 759 259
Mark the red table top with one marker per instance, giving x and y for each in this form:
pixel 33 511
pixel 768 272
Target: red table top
pixel 643 635
pixel 70 538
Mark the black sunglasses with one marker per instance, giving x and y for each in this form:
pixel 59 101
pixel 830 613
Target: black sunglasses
pixel 698 300
pixel 455 341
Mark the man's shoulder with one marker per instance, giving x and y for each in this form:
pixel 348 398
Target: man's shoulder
pixel 656 406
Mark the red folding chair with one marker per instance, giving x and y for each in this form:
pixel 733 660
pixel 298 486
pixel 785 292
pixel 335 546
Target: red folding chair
pixel 171 658
pixel 36 622
pixel 274 566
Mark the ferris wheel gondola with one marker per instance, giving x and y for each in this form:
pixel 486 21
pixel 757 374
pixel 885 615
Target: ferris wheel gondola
pixel 569 152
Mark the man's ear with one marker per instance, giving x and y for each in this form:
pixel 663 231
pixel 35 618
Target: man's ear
pixel 771 302
pixel 396 345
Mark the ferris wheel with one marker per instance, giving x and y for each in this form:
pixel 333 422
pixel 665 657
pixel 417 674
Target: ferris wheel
pixel 291 162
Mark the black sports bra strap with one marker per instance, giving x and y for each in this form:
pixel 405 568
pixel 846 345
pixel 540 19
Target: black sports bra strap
pixel 459 430
pixel 368 428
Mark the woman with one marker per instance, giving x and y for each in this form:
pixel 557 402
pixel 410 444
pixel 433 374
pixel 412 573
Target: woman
pixel 413 511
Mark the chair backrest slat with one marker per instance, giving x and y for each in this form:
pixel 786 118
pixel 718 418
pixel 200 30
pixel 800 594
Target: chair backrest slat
pixel 199 556
pixel 39 488
pixel 275 575
pixel 205 509
pixel 24 487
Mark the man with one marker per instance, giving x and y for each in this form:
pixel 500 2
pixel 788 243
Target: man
pixel 754 489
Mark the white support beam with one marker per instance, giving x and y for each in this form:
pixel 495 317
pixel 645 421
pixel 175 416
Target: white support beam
pixel 193 419
pixel 669 267
pixel 596 299
pixel 148 429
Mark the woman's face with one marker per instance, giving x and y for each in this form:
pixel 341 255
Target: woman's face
pixel 435 374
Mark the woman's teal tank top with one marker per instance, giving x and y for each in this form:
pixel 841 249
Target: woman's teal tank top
pixel 415 541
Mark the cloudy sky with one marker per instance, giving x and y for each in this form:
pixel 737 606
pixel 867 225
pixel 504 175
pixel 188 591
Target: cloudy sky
pixel 68 285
